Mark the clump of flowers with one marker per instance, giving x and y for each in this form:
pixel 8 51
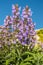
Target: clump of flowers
pixel 19 26
pixel 17 39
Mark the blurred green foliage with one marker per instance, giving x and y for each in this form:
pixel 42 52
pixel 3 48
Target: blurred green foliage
pixel 40 34
pixel 17 54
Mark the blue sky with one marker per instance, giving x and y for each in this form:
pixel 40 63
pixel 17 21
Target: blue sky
pixel 35 5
